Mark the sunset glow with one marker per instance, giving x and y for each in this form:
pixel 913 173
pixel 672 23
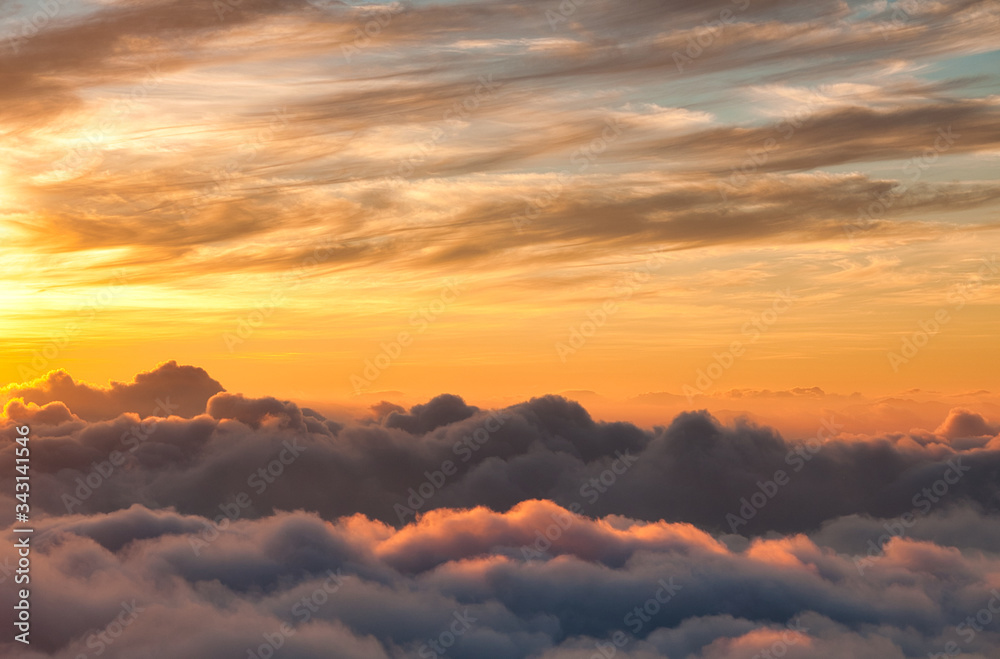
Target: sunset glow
pixel 187 166
pixel 499 329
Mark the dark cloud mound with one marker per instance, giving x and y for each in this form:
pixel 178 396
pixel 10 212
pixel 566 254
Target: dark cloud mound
pixel 962 424
pixel 440 411
pixel 251 526
pixel 253 412
pixel 741 478
pixel 473 581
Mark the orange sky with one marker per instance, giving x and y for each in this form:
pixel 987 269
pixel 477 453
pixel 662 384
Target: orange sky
pixel 179 188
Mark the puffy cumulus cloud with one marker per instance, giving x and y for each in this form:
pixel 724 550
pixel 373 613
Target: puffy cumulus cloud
pixel 254 412
pixel 272 455
pixel 965 424
pixel 168 388
pixel 49 414
pixel 246 527
pixel 964 526
pixel 438 412
pixel 534 525
pixel 140 582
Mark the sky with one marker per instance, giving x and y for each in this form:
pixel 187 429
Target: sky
pixel 276 190
pixel 499 329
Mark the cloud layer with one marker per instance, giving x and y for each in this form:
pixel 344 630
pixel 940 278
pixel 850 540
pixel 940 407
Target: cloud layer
pixel 529 531
pixel 471 583
pixel 447 454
